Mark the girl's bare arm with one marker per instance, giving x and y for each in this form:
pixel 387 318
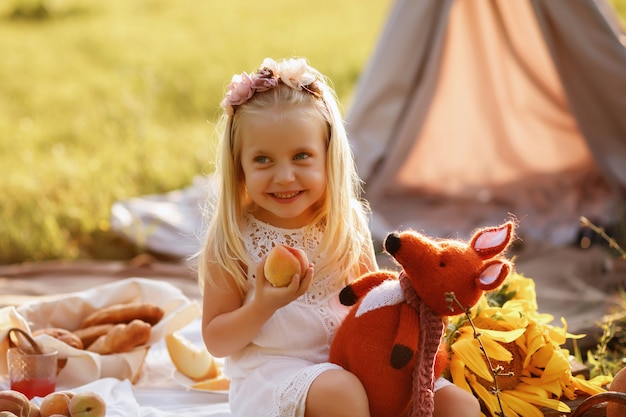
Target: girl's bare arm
pixel 228 324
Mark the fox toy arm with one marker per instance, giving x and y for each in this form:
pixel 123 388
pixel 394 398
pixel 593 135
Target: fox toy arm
pixel 357 289
pixel 407 337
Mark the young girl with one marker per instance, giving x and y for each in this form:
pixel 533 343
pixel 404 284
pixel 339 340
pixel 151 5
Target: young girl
pixel 286 177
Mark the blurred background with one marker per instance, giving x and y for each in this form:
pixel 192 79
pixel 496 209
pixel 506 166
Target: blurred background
pixel 102 101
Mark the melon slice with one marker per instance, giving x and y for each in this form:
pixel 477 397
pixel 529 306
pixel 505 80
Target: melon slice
pixel 219 383
pixel 193 361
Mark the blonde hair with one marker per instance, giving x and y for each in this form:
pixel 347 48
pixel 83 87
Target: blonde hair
pixel 346 234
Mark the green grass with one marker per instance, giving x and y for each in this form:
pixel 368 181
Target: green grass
pixel 101 101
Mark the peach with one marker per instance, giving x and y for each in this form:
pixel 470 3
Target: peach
pixel 282 263
pixel 55 403
pixel 87 404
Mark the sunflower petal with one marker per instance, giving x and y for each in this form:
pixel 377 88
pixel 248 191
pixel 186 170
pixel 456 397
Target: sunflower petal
pixel 541 402
pixel 489 399
pixel 532 381
pixel 590 387
pixel 495 350
pixel 503 336
pixel 537 390
pixel 553 387
pixel 521 407
pixel 543 318
pixel 457 372
pixel 558 335
pixel 542 356
pixel 470 354
pixel 569 391
pixel 534 341
pixel 557 367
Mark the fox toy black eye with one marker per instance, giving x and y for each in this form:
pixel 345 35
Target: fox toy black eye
pixel 442 264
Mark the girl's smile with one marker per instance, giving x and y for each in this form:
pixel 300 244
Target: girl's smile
pixel 286 196
pixel 283 157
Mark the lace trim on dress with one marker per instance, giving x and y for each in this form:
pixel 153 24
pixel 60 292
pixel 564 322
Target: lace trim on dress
pixel 289 398
pixel 261 237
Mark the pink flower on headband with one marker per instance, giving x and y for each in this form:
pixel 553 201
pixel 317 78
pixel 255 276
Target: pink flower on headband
pixel 240 90
pixel 293 73
pixel 264 80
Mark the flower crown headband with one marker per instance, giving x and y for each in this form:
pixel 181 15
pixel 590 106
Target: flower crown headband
pixel 293 73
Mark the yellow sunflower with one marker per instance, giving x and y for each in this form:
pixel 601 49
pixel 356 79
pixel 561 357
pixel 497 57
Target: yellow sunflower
pixel 523 350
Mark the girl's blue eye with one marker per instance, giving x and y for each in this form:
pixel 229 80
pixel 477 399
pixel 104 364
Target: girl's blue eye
pixel 261 159
pixel 301 155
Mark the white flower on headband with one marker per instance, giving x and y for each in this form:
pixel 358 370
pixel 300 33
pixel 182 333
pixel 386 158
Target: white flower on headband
pixel 292 72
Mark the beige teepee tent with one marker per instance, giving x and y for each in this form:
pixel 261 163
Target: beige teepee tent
pixel 471 110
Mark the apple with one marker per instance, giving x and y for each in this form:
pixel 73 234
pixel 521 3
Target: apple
pixel 193 361
pixel 282 263
pixel 55 403
pixel 87 404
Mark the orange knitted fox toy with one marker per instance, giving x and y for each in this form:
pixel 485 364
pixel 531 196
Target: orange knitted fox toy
pixel 391 337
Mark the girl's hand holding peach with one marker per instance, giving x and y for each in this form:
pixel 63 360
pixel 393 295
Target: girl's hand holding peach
pixel 282 263
pixel 269 297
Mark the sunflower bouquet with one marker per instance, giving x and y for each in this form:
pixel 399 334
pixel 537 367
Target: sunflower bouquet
pixel 511 358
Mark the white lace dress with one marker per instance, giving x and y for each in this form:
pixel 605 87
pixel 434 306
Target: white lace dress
pixel 271 376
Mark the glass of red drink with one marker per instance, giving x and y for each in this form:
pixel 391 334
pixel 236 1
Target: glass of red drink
pixel 32 374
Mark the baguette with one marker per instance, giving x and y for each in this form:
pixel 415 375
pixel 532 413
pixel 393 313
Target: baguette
pixel 63 335
pixel 124 313
pixel 89 335
pixel 122 338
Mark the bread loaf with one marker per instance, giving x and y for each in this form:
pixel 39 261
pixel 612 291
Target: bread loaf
pixel 124 313
pixel 63 335
pixel 89 335
pixel 122 338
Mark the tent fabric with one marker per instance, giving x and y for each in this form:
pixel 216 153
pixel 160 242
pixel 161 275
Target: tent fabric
pixel 469 112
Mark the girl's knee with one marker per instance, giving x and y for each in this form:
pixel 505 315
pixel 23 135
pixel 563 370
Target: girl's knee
pixel 340 384
pixel 455 401
pixel 337 393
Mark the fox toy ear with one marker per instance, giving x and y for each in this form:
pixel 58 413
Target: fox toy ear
pixel 493 274
pixel 492 241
